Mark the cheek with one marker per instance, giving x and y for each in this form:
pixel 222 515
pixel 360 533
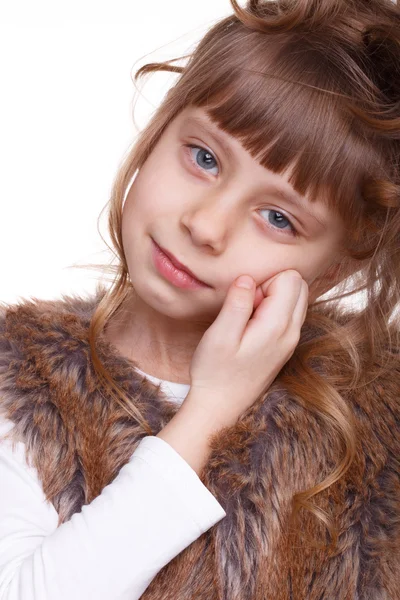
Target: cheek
pixel 316 262
pixel 154 195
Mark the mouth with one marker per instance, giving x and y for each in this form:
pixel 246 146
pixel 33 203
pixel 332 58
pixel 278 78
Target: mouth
pixel 178 264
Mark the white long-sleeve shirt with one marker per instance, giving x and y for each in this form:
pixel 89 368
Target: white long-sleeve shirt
pixel 116 545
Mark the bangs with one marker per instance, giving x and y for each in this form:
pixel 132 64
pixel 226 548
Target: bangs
pixel 286 104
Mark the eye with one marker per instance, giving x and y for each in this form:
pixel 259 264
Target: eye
pixel 203 160
pixel 272 222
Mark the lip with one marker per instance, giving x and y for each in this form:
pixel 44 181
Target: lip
pixel 178 264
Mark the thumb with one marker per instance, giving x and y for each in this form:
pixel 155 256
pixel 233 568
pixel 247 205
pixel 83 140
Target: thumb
pixel 236 311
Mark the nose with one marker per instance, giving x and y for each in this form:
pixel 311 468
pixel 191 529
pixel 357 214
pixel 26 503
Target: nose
pixel 212 219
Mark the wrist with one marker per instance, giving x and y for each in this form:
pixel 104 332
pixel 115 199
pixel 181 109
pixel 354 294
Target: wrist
pixel 189 432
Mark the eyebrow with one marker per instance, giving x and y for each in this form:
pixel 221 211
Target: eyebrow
pixel 208 130
pixel 290 196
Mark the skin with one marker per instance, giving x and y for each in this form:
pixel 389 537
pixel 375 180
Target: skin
pixel 217 216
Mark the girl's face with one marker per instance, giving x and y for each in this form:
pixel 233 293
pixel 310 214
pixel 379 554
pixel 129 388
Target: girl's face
pixel 202 197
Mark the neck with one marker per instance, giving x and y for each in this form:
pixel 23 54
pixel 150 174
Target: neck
pixel 161 347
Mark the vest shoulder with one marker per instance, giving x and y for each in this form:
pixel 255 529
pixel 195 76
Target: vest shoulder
pixel 38 334
pixel 19 318
pixel 81 305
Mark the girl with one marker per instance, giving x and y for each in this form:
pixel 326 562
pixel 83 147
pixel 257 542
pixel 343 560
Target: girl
pixel 181 436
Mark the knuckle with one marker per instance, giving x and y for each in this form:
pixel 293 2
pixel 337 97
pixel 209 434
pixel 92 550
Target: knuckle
pixel 277 329
pixel 293 274
pixel 293 338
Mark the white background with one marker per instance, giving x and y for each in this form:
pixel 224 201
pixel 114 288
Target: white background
pixel 66 121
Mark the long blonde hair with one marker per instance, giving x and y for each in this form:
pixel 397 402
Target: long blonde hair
pixel 313 85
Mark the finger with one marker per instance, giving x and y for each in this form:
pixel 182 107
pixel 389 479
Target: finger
pixel 265 284
pixel 300 311
pixel 301 307
pixel 234 314
pixel 262 289
pixel 259 297
pixel 275 312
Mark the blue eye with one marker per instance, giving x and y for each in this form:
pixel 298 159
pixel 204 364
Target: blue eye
pixel 204 159
pixel 292 230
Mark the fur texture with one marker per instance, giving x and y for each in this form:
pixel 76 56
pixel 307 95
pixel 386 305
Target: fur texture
pixel 78 440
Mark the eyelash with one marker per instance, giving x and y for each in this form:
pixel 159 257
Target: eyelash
pixel 293 232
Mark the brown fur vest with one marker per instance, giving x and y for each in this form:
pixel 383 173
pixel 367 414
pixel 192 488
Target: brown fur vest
pixel 48 385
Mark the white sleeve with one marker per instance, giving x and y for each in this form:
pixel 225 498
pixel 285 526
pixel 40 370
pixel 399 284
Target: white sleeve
pixel 155 507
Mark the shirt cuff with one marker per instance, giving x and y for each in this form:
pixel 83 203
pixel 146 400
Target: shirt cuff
pixel 203 506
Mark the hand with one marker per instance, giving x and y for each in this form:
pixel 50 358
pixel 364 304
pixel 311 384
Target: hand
pixel 246 346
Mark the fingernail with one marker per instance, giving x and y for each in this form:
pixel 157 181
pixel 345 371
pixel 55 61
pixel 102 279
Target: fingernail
pixel 244 281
